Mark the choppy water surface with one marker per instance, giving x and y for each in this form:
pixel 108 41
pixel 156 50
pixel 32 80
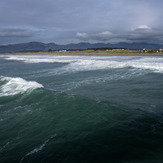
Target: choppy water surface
pixel 81 109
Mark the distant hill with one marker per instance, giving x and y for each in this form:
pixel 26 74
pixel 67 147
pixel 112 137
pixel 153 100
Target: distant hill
pixel 38 46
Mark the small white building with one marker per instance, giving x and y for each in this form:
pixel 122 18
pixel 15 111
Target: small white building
pixel 62 50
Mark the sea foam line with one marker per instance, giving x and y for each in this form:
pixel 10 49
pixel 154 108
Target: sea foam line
pixel 36 150
pixel 3 147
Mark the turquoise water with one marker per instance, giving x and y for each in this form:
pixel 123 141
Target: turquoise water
pixel 81 109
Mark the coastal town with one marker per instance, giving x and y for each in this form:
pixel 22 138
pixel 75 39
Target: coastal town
pixel 151 50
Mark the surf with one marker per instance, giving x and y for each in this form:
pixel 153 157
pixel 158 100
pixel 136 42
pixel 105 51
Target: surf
pixel 11 86
pixel 88 63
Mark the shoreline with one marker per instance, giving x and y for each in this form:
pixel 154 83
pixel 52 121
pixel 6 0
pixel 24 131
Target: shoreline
pixel 89 53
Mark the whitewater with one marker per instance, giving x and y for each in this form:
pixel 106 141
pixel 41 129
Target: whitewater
pixel 70 108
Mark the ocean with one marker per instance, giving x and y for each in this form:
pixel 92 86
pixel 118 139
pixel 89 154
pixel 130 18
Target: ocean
pixel 81 109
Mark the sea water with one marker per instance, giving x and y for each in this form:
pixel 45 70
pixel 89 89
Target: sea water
pixel 84 109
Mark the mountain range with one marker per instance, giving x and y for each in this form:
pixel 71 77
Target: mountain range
pixel 38 46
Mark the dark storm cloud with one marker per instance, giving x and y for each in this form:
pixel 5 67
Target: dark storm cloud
pixel 140 34
pixel 146 35
pixel 65 21
pixel 15 34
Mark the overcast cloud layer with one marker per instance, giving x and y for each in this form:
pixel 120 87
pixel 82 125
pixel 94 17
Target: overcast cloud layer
pixel 73 21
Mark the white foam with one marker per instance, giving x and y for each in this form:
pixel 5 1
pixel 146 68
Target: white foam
pixel 103 78
pixel 40 59
pixel 151 63
pixel 36 150
pixel 84 63
pixel 13 86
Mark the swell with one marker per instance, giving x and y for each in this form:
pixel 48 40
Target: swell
pixel 56 127
pixel 33 118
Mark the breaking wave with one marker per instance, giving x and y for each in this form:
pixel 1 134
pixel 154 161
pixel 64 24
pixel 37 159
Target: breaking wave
pixel 12 86
pixel 41 59
pixel 86 63
pixel 155 64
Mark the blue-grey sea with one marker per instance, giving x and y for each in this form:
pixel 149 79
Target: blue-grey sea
pixel 81 109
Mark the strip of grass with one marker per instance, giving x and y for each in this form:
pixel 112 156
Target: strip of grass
pixel 90 52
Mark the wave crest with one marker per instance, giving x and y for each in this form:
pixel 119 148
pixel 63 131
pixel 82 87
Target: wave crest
pixel 12 86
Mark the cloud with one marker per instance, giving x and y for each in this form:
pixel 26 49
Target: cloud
pixel 143 27
pixel 103 36
pixel 12 32
pixel 17 34
pixel 106 33
pixel 142 33
pixel 81 20
pixel 81 35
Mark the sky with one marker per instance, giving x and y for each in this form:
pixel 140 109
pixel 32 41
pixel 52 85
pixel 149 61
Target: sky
pixel 74 21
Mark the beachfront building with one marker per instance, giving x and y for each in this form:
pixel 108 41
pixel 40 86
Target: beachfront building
pixel 151 50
